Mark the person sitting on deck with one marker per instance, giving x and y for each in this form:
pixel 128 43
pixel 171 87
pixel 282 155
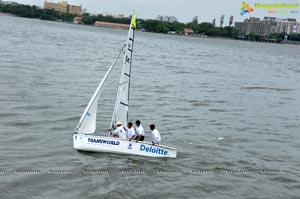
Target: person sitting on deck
pixel 155 135
pixel 130 131
pixel 140 133
pixel 120 131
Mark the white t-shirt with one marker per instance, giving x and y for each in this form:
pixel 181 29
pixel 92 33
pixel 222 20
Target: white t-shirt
pixel 140 131
pixel 120 131
pixel 130 132
pixel 156 136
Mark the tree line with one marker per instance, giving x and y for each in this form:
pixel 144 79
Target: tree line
pixel 149 25
pixel 156 26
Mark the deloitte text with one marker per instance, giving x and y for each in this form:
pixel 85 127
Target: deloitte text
pixel 153 150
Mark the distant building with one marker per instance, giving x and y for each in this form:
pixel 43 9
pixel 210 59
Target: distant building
pixel 111 25
pixel 213 22
pixel 63 7
pixel 287 26
pixel 272 22
pixel 230 20
pixel 172 19
pixel 222 20
pixel 166 18
pixel 72 9
pixel 188 31
pixel 269 25
pixel 195 20
pixel 253 25
pixel 60 6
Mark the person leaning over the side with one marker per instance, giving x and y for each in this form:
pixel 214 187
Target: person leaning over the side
pixel 155 135
pixel 140 133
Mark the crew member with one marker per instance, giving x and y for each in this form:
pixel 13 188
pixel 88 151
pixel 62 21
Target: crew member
pixel 155 135
pixel 140 133
pixel 120 131
pixel 130 131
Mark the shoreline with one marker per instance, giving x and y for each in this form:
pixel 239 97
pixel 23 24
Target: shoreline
pixel 289 42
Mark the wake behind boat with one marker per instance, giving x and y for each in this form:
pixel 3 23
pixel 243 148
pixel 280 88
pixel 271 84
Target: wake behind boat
pixel 84 137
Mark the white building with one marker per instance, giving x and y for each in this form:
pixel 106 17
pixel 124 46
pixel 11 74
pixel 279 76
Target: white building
pixel 159 18
pixel 166 18
pixel 288 26
pixel 172 19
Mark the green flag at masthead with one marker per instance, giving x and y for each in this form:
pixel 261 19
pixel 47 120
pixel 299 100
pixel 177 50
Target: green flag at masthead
pixel 133 21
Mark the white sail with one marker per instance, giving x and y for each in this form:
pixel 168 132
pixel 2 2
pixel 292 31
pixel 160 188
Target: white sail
pixel 87 122
pixel 122 99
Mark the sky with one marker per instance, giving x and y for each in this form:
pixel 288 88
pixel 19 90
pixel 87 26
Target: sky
pixel 183 10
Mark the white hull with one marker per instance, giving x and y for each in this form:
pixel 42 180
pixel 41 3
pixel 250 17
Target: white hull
pixel 121 146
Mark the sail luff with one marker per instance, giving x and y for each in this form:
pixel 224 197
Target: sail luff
pixel 122 98
pixel 90 127
pixel 134 26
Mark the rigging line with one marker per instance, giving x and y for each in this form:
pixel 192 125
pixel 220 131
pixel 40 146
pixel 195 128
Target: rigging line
pixel 110 68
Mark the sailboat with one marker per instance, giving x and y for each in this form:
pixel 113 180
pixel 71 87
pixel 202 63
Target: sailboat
pixel 84 138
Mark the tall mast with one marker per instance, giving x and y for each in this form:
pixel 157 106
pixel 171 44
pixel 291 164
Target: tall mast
pixel 122 98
